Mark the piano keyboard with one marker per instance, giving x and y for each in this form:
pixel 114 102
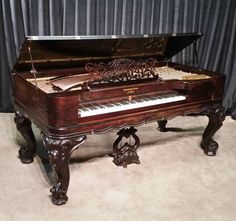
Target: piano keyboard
pixel 145 101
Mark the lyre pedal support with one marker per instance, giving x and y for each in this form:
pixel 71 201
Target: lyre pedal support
pixel 125 154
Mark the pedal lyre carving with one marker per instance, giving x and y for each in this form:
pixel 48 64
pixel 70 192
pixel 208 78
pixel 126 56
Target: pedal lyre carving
pixel 126 154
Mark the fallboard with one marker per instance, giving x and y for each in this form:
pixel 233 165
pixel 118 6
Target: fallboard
pixel 130 90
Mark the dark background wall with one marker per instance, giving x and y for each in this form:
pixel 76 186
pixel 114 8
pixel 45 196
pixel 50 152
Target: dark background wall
pixel 215 18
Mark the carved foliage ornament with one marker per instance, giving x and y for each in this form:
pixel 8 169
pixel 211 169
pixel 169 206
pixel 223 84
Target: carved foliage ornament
pixel 217 112
pixel 120 70
pixel 60 149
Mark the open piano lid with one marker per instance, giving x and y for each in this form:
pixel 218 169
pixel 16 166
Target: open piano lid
pixel 75 51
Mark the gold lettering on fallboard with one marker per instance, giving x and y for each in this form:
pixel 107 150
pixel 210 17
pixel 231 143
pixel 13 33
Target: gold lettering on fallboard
pixel 130 90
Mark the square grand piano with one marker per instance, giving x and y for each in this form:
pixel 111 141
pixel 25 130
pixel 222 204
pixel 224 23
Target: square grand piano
pixel 71 87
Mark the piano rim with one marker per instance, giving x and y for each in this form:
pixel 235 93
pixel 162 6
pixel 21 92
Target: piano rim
pixel 62 132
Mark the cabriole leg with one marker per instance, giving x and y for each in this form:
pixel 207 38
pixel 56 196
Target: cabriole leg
pixel 59 151
pixel 216 117
pixel 23 125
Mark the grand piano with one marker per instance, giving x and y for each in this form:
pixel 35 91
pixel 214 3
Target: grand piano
pixel 73 86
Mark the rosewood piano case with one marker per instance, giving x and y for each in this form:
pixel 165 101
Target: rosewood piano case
pixel 56 113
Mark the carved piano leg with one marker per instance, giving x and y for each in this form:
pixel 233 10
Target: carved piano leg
pixel 126 153
pixel 59 151
pixel 23 125
pixel 216 117
pixel 162 125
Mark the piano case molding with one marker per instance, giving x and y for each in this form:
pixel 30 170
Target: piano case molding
pixel 117 88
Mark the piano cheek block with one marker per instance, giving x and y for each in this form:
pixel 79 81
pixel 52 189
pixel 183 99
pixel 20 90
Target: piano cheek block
pixel 128 82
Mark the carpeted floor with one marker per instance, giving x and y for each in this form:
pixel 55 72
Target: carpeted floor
pixel 174 181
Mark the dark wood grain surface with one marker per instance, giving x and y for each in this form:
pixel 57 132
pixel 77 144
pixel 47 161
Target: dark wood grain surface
pixel 63 129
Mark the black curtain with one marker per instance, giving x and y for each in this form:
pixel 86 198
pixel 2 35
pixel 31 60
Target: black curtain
pixel 215 18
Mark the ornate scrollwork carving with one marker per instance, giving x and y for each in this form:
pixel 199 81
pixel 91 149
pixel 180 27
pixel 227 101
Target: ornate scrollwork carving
pixel 120 70
pixel 216 117
pixel 217 112
pixel 126 153
pixel 59 151
pixel 53 154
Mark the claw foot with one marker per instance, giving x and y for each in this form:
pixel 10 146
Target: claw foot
pixel 26 155
pixel 210 149
pixel 59 196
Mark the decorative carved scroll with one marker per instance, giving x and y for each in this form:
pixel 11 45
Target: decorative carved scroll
pixel 120 70
pixel 59 151
pixel 216 117
pixel 126 153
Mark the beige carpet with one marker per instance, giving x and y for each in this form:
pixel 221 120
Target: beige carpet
pixel 174 181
